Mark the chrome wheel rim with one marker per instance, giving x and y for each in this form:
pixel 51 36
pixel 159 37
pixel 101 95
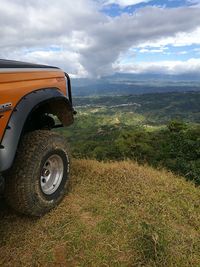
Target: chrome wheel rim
pixel 52 174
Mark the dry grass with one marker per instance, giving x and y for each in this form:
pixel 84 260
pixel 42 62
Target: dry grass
pixel 116 214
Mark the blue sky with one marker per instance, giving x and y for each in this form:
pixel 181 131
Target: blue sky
pixel 92 38
pixel 116 9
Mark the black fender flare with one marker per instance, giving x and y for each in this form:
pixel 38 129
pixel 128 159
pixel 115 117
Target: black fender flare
pixel 21 112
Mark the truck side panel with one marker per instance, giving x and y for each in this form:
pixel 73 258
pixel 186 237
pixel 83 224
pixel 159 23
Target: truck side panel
pixel 18 118
pixel 13 86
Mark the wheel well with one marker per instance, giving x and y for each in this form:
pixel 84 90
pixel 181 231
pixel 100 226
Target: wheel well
pixel 24 118
pixel 48 114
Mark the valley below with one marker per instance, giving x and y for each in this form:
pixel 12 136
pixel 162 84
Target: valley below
pixel 160 129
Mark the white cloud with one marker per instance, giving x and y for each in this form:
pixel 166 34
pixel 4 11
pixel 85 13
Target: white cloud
pixel 125 2
pixel 65 59
pixel 197 50
pixel 167 67
pixel 178 40
pixel 37 26
pixel 194 1
pixel 153 50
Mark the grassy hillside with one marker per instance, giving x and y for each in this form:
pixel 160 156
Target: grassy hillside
pixel 116 214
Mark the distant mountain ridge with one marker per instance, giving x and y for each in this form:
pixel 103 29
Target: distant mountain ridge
pixel 125 84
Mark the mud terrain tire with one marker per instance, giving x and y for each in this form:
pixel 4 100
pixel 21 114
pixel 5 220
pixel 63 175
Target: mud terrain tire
pixel 40 154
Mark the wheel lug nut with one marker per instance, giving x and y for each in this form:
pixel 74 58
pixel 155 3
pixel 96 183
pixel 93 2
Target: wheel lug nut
pixel 47 172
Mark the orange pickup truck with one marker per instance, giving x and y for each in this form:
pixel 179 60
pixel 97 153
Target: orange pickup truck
pixel 34 161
